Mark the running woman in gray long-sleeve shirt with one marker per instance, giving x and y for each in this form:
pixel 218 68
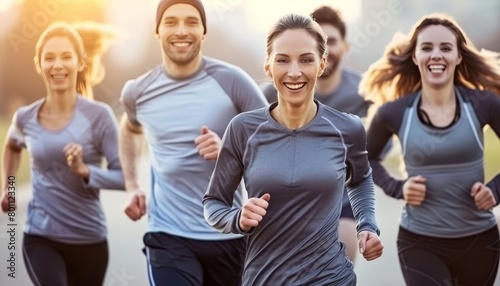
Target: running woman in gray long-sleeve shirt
pixel 294 169
pixel 337 87
pixel 67 137
pixel 447 224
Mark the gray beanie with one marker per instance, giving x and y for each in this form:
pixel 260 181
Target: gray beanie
pixel 164 4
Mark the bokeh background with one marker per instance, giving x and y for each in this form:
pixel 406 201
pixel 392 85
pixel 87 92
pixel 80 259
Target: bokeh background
pixel 236 33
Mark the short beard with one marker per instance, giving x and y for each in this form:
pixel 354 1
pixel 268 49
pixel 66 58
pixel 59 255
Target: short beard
pixel 181 60
pixel 333 63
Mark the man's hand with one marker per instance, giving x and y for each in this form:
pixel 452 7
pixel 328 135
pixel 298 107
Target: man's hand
pixel 5 202
pixel 208 144
pixel 135 208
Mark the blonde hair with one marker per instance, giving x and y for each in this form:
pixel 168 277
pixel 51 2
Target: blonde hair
pixel 395 74
pixel 90 40
pixel 97 37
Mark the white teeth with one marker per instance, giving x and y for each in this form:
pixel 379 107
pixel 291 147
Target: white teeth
pixel 181 44
pixel 437 68
pixel 58 76
pixel 294 86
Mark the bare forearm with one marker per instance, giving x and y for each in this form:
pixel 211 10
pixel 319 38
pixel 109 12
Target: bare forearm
pixel 11 161
pixel 130 144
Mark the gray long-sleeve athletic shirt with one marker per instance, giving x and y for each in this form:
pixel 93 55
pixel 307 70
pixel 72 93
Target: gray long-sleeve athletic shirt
pixel 344 98
pixel 451 159
pixel 304 171
pixel 64 207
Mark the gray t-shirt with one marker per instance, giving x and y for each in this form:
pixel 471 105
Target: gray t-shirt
pixel 304 171
pixel 63 207
pixel 172 113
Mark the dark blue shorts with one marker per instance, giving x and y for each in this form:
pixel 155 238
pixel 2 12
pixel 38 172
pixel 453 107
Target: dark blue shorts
pixel 174 260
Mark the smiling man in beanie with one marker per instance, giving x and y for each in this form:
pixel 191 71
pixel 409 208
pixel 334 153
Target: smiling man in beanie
pixel 183 106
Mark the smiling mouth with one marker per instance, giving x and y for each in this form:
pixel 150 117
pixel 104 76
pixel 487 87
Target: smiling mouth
pixel 181 44
pixel 436 69
pixel 59 76
pixel 295 86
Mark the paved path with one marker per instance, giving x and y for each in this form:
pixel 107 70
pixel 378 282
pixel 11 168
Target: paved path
pixel 127 263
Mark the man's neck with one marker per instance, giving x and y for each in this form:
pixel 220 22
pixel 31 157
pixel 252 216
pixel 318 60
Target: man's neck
pixel 329 84
pixel 175 70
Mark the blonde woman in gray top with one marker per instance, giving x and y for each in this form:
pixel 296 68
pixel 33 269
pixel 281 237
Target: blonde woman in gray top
pixel 67 135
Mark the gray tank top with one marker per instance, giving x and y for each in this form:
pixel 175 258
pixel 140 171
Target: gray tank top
pixel 448 210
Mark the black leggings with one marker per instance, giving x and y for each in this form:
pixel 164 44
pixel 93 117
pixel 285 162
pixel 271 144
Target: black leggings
pixel 467 261
pixel 59 264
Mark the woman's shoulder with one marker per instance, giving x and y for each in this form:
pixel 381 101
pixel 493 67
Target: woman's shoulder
pixel 340 119
pixel 93 103
pixel 25 112
pixel 251 116
pixel 94 107
pixel 477 96
pixel 485 104
pixel 246 123
pixel 401 103
pixel 393 111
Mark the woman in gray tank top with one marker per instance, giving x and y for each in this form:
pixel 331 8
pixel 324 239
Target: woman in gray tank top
pixel 439 93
